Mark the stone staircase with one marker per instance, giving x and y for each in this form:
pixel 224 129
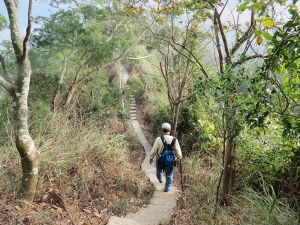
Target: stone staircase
pixel 162 204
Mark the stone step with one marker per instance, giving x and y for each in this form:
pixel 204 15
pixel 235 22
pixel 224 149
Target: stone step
pixel 122 221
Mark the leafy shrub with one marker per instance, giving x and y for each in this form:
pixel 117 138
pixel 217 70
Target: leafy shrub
pixel 264 153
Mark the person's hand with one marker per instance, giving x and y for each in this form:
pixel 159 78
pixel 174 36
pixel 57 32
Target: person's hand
pixel 151 161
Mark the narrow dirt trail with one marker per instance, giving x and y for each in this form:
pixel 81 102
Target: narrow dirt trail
pixel 162 204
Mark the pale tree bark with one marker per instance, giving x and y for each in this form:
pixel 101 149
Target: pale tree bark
pixel 24 142
pixel 19 93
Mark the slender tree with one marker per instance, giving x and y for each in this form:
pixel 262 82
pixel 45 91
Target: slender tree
pixel 19 92
pixel 177 73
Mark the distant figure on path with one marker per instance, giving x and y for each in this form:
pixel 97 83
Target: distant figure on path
pixel 166 149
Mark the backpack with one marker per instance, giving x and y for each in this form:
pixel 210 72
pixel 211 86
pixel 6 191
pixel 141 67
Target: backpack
pixel 167 158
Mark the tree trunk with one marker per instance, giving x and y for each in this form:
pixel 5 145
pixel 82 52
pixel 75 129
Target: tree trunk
pixel 72 89
pixel 54 103
pixel 228 173
pixel 70 94
pixel 24 142
pixel 175 113
pixel 19 92
pixel 58 87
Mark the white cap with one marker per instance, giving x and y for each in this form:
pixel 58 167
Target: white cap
pixel 166 126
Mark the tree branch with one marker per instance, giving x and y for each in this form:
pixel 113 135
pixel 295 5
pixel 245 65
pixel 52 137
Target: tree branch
pixel 164 71
pixel 139 57
pixel 223 8
pixel 218 45
pixel 245 36
pixel 10 88
pixel 184 98
pixel 28 29
pixel 247 58
pixel 224 39
pixel 193 56
pixel 173 45
pixel 11 6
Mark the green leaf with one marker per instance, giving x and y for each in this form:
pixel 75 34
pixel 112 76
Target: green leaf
pixel 268 22
pixel 266 35
pixel 257 6
pixel 242 6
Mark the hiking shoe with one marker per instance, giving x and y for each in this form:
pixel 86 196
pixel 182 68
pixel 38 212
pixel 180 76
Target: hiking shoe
pixel 160 181
pixel 166 190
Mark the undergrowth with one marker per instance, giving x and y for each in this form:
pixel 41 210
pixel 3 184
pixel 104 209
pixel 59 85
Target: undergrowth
pixel 197 206
pixel 84 171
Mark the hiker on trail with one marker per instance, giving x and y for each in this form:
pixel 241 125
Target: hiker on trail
pixel 166 149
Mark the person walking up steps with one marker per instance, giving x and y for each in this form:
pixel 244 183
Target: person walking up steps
pixel 166 149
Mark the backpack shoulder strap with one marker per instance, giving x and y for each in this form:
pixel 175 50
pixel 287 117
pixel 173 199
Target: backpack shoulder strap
pixel 163 140
pixel 173 142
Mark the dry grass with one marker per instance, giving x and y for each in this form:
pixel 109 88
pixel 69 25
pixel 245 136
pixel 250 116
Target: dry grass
pixel 84 172
pixel 197 204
